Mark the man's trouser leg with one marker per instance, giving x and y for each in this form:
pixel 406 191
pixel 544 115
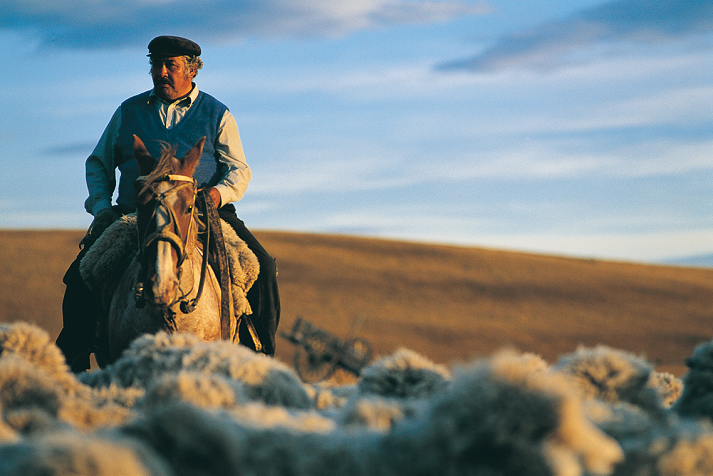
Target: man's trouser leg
pixel 263 296
pixel 81 308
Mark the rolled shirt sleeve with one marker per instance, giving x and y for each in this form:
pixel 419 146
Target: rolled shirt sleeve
pixel 100 168
pixel 229 149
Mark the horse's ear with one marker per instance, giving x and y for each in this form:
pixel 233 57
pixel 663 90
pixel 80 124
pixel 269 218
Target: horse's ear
pixel 189 162
pixel 145 160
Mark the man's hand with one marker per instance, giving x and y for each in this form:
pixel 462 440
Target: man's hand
pixel 100 223
pixel 214 195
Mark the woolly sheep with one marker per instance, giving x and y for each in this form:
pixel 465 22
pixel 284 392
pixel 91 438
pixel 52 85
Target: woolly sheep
pixel 468 416
pixel 31 398
pixel 403 374
pixel 595 411
pixel 498 417
pixel 696 400
pixel 612 376
pixel 326 398
pixel 371 412
pixel 492 419
pixel 197 442
pixel 259 415
pixel 71 453
pixel 23 386
pixel 32 344
pixel 576 442
pixel 624 421
pixel 668 386
pixel 95 412
pixel 685 449
pixel 28 421
pixel 688 457
pixel 112 394
pixel 106 406
pixel 206 391
pixel 386 386
pixel 7 431
pixel 38 391
pixel 212 391
pixel 151 356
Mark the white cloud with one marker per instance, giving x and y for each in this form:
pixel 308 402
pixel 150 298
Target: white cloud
pixel 443 226
pixel 558 43
pixel 645 247
pixel 110 24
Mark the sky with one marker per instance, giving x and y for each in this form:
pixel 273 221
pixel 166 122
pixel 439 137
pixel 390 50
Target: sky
pixel 570 127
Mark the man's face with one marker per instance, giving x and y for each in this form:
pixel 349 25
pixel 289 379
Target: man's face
pixel 169 77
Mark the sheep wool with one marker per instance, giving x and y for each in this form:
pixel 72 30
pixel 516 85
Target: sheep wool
pixel 33 345
pixel 151 356
pixel 206 391
pixel 69 453
pixel 23 386
pixel 696 400
pixel 403 374
pixel 668 386
pixel 612 376
pixel 497 417
pixel 174 405
pixel 373 413
pixel 688 457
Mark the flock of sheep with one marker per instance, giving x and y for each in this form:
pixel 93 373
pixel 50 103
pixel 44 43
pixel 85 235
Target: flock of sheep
pixel 174 405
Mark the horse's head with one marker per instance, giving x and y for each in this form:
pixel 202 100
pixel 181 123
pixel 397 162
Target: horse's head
pixel 166 216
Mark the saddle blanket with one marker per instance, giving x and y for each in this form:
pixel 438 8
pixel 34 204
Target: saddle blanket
pixel 109 256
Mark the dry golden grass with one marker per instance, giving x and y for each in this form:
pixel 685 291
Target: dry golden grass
pixel 447 303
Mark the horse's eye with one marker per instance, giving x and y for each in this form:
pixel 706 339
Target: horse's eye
pixel 189 210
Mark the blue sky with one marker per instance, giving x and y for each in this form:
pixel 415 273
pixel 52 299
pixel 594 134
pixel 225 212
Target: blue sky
pixel 579 128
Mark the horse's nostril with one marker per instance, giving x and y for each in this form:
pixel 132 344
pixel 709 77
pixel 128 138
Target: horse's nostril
pixel 165 291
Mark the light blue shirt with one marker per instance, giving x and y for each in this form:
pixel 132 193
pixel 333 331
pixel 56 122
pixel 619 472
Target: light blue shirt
pixel 101 164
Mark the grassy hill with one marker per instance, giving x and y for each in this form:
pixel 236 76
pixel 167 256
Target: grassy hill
pixel 447 303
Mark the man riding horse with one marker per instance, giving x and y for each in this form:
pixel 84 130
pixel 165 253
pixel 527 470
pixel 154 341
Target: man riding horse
pixel 177 113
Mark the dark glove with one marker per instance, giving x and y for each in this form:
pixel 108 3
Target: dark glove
pixel 100 223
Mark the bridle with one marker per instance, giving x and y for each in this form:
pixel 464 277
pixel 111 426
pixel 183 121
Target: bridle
pixel 170 232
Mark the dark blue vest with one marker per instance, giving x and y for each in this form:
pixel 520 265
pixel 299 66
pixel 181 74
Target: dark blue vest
pixel 140 117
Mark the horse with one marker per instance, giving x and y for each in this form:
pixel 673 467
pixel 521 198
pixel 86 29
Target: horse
pixel 167 285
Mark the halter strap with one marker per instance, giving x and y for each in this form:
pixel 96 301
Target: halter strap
pixel 161 234
pixel 175 240
pixel 179 178
pixel 169 178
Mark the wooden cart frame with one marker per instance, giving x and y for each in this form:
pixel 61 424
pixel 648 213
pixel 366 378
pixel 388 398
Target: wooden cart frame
pixel 319 353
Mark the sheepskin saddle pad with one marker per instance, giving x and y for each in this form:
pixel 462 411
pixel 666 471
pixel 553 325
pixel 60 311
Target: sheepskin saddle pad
pixel 109 256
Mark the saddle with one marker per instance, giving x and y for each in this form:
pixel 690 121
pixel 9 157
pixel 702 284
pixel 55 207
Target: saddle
pixel 111 254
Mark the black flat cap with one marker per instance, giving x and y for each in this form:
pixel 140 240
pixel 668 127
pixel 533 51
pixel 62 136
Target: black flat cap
pixel 169 46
